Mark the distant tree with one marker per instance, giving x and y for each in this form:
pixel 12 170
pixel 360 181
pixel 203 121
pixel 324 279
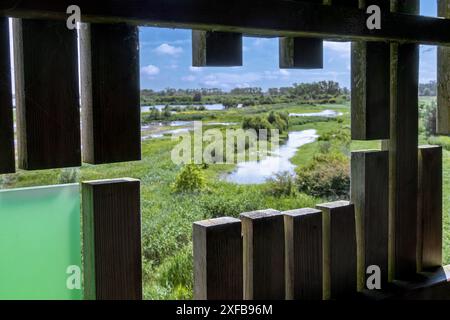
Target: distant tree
pixel 197 97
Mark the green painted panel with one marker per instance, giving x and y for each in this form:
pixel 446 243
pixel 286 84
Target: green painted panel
pixel 40 243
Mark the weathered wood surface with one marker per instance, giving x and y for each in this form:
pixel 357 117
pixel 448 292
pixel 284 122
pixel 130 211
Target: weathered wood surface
pixel 7 153
pixel 112 240
pixel 403 154
pixel 340 248
pixel 216 49
pixel 370 86
pixel 430 208
pixel 275 18
pixel 304 254
pixel 443 77
pixel 264 255
pixel 110 89
pixel 47 97
pixel 369 193
pixel 218 263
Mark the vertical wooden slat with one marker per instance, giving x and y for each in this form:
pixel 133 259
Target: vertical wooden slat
pixel 7 153
pixel 430 207
pixel 304 254
pixel 403 157
pixel 341 238
pixel 263 247
pixel 110 92
pixel 47 97
pixel 112 239
pixel 369 193
pixel 218 259
pixel 370 86
pixel 216 49
pixel 443 77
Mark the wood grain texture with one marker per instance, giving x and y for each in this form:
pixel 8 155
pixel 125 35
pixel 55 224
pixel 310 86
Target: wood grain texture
pixel 304 254
pixel 443 77
pixel 112 240
pixel 275 18
pixel 264 255
pixel 342 266
pixel 47 98
pixel 430 208
pixel 7 152
pixel 301 53
pixel 110 93
pixel 403 155
pixel 218 266
pixel 370 195
pixel 216 49
pixel 370 112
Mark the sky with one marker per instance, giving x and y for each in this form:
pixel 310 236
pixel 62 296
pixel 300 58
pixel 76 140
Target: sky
pixel 166 61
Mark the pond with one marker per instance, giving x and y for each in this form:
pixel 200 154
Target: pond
pixel 325 113
pixel 257 172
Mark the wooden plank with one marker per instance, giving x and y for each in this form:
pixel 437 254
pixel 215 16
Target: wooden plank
pixel 275 18
pixel 7 153
pixel 304 254
pixel 218 263
pixel 430 208
pixel 369 193
pixel 263 247
pixel 443 77
pixel 216 49
pixel 341 246
pixel 110 93
pixel 47 98
pixel 403 155
pixel 112 239
pixel 301 53
pixel 370 87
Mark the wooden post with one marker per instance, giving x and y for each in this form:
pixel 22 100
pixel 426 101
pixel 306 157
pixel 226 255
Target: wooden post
pixel 263 247
pixel 112 239
pixel 340 235
pixel 47 98
pixel 430 208
pixel 304 254
pixel 110 89
pixel 443 77
pixel 216 49
pixel 403 158
pixel 369 193
pixel 370 86
pixel 7 153
pixel 218 259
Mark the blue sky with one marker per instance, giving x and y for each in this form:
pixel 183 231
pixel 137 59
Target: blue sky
pixel 166 57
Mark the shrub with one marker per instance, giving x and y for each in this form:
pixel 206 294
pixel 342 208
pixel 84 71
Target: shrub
pixel 282 184
pixel 190 179
pixel 68 176
pixel 429 115
pixel 442 141
pixel 327 176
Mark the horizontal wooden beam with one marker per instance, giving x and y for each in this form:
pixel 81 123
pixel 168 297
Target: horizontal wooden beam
pixel 274 18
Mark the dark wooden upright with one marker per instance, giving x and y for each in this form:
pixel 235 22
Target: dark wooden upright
pixel 112 240
pixel 371 86
pixel 216 49
pixel 369 193
pixel 264 255
pixel 402 146
pixel 304 254
pixel 443 77
pixel 110 90
pixel 7 153
pixel 340 244
pixel 47 96
pixel 218 259
pixel 430 207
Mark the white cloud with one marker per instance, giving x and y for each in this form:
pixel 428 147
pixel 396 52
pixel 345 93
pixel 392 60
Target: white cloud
pixel 195 69
pixel 227 80
pixel 189 78
pixel 167 49
pixel 150 70
pixel 341 48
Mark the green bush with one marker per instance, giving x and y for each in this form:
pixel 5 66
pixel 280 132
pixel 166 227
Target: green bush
pixel 190 179
pixel 442 141
pixel 68 176
pixel 282 184
pixel 328 176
